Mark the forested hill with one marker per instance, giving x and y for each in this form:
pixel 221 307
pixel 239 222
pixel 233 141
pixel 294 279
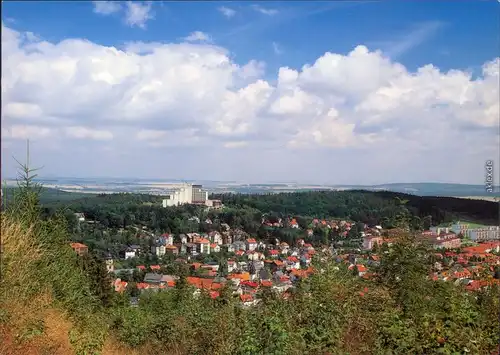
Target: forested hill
pixel 366 206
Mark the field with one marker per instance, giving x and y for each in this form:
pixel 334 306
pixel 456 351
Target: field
pixel 485 198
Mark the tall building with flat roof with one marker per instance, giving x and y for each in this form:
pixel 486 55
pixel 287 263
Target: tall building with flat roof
pixel 186 194
pixel 199 195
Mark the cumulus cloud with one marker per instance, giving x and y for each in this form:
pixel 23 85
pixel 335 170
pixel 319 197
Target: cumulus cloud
pixel 137 14
pixel 157 96
pixel 226 11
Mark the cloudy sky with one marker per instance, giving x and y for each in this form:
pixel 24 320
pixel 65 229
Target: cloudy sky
pixel 349 92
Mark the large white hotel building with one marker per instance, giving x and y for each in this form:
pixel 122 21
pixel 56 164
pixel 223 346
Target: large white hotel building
pixel 186 194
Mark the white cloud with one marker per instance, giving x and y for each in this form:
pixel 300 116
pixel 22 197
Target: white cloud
pixel 150 96
pixel 137 14
pixel 25 132
pixel 106 7
pixel 226 11
pixel 80 132
pixel 265 11
pixel 198 36
pixel 235 144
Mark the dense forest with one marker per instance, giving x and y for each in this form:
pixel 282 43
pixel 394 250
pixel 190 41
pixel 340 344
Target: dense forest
pixel 55 302
pixel 367 206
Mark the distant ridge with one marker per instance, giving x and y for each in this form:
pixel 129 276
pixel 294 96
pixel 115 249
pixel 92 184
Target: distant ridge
pixel 139 185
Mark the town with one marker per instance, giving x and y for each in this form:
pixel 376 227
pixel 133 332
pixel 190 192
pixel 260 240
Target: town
pixel 463 253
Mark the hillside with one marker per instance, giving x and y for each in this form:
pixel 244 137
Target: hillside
pixel 367 206
pixel 56 302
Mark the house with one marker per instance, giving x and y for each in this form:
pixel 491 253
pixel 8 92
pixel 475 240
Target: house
pixel 215 237
pixel 191 248
pixel 294 224
pixel 202 245
pixel 152 278
pixel 370 241
pixel 79 248
pixel 274 253
pixel 169 239
pixel 240 253
pixel 229 248
pixel 129 253
pixel 171 249
pixel 251 244
pixel 215 247
pixel 257 266
pixel 80 217
pixel 293 263
pixel 248 300
pixel 155 267
pixel 169 280
pixel 110 265
pixel 264 274
pixel 242 265
pixel 159 250
pixel 284 247
pixel 361 269
pixel 183 238
pixel 231 266
pixel 277 265
pixel 239 245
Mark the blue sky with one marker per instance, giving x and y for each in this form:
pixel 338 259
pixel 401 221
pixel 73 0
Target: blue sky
pixel 463 36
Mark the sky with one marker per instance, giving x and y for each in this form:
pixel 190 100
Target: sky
pixel 312 92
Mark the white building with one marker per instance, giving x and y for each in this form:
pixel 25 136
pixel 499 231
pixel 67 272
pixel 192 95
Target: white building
pixel 129 254
pixel 180 196
pixel 485 233
pixel 159 250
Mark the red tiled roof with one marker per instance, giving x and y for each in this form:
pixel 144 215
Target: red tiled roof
pixel 202 241
pixel 250 284
pixel 251 240
pixel 206 284
pixel 246 297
